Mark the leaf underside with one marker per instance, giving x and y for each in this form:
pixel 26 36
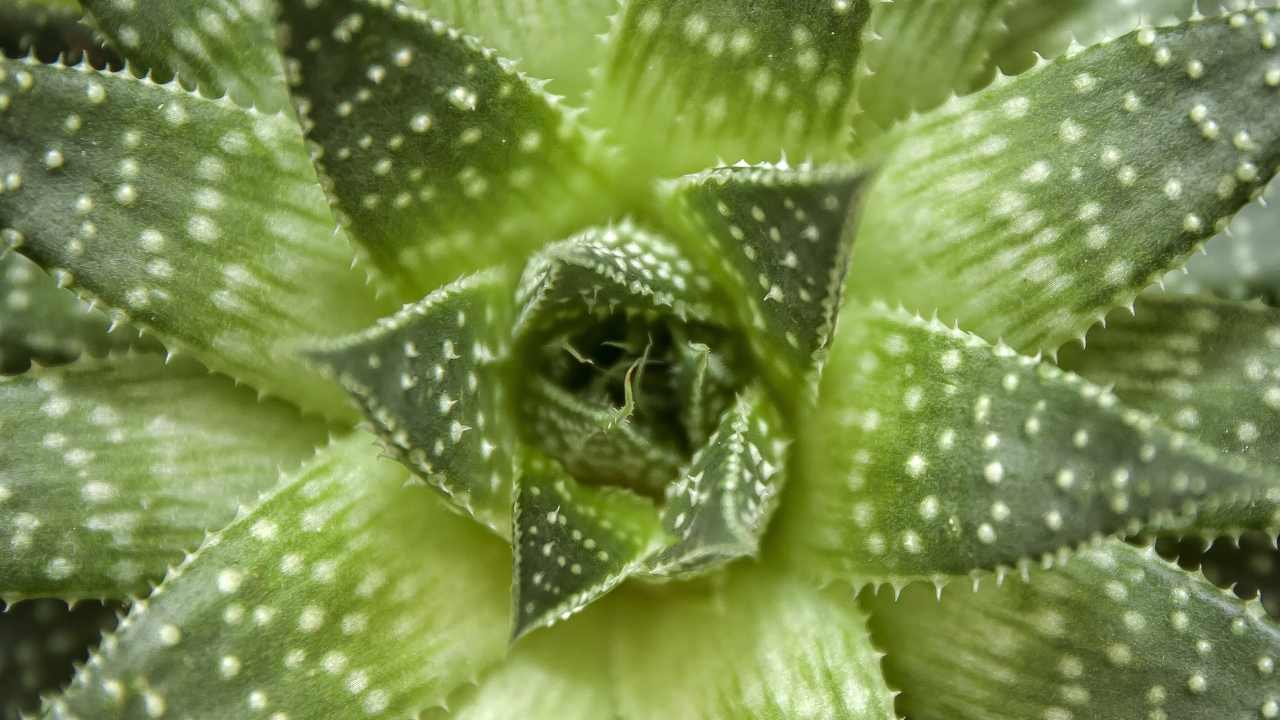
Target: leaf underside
pixel 1035 206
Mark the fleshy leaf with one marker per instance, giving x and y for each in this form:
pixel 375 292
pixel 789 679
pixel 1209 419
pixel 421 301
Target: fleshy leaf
pixel 426 379
pixel 440 158
pixel 1031 208
pixel 219 45
pixel 573 543
pixel 105 479
pixel 42 323
pixel 924 50
pixel 755 646
pixel 720 506
pixel 555 39
pixel 342 595
pixel 1116 633
pixel 933 453
pixel 194 218
pixel 39 642
pixel 49 30
pixel 1242 263
pixel 1206 367
pixel 690 81
pixel 780 239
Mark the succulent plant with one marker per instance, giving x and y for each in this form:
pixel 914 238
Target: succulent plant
pixel 368 376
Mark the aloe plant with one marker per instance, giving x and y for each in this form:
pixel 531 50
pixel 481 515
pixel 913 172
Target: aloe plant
pixel 761 364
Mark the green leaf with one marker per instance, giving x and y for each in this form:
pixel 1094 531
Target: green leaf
pixel 441 158
pixel 39 642
pixel 219 46
pixel 1207 368
pixel 755 646
pixel 42 323
pixel 572 543
pixel 1037 205
pixel 49 29
pixel 105 479
pixel 1248 565
pixel 780 239
pixel 690 81
pixel 1242 263
pixel 933 453
pixel 721 504
pixel 1116 633
pixel 925 50
pixel 427 380
pixel 556 39
pixel 343 595
pixel 193 218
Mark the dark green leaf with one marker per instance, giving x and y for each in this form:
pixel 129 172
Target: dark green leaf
pixel 49 30
pixel 39 642
pixel 111 469
pixel 1116 633
pixel 194 218
pixel 1030 209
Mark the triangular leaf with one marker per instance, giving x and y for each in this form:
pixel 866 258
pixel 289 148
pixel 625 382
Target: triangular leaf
pixel 573 543
pixel 1114 634
pixel 1242 263
pixel 688 81
pixel 554 39
pixel 426 379
pixel 1031 208
pixel 342 595
pixel 755 646
pixel 933 453
pixel 40 641
pixel 220 46
pixel 721 504
pixel 194 218
pixel 42 323
pixel 440 158
pixel 105 479
pixel 1207 368
pixel 779 239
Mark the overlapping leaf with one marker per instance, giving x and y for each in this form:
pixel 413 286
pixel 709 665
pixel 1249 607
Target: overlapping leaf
pixel 343 595
pixel 1116 633
pixel 933 453
pixel 1242 263
pixel 39 642
pixel 1031 208
pixel 194 218
pixel 757 646
pixel 780 240
pixel 105 479
pixel 1207 368
pixel 573 543
pixel 426 380
pixel 218 45
pixel 720 506
pixel 688 82
pixel 439 157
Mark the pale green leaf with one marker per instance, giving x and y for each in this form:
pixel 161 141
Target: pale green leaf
pixel 755 646
pixel 719 507
pixel 923 51
pixel 1031 208
pixel 1116 633
pixel 779 239
pixel 1242 263
pixel 427 380
pixel 689 81
pixel 1206 367
pixel 194 218
pixel 934 453
pixel 39 642
pixel 573 543
pixel 554 39
pixel 222 46
pixel 45 324
pixel 439 157
pixel 344 595
pixel 111 469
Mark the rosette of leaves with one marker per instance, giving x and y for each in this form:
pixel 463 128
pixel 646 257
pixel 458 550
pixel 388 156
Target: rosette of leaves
pixel 375 377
